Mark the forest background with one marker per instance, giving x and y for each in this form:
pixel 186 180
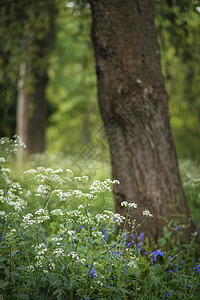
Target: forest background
pixel 73 118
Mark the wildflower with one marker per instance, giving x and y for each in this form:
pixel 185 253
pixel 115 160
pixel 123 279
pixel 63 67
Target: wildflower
pixel 30 268
pixel 73 255
pixel 147 213
pixel 93 271
pixel 167 294
pixel 59 252
pixel 105 234
pixel 197 271
pixel 2 160
pixel 169 263
pixel 156 254
pixel 28 221
pixel 128 204
pixel 57 212
pixel 141 236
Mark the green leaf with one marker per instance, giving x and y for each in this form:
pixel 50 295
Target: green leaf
pixel 23 296
pixel 3 283
pixel 3 258
pixel 116 297
pixel 13 253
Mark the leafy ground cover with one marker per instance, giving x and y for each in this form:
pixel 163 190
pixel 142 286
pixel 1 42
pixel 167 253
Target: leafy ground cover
pixel 60 239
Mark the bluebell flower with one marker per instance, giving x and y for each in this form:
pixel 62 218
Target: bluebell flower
pixel 156 254
pixel 180 263
pixel 141 236
pixel 166 296
pixel 21 233
pixel 197 271
pixel 105 234
pixel 177 229
pixel 92 272
pixel 132 237
pixel 169 263
pixel 138 246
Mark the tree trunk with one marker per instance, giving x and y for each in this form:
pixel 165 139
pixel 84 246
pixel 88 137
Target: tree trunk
pixel 31 107
pixel 31 110
pixel 134 108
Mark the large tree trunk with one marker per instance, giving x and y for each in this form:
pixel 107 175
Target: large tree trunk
pixel 134 108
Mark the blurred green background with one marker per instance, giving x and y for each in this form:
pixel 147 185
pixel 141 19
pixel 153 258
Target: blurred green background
pixel 74 122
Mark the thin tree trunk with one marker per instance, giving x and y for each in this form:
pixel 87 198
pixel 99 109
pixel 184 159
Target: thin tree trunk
pixel 31 107
pixel 134 108
pixel 31 110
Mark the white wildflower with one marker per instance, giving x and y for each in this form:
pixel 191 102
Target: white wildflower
pixel 2 160
pixel 64 196
pixel 28 221
pixel 128 204
pixel 118 218
pixel 43 189
pixel 59 252
pixel 57 239
pixel 30 268
pixel 146 212
pixel 5 170
pixel 80 206
pixel 51 265
pixel 101 217
pixel 97 234
pixel 57 212
pixel 57 171
pixel 74 255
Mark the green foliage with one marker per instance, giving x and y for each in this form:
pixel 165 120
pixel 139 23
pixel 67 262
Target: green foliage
pixel 178 27
pixel 72 82
pixel 55 244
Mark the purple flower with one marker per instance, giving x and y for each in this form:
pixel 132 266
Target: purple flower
pixel 92 272
pixel 141 237
pixel 156 254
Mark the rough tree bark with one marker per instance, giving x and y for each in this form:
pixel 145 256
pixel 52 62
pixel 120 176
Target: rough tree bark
pixel 134 108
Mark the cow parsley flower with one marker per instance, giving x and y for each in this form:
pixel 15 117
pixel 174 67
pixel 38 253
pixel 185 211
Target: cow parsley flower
pixel 128 204
pixel 147 213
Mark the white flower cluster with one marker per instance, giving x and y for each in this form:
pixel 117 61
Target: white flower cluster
pixel 97 234
pixel 43 190
pixel 30 268
pixel 15 201
pixel 73 255
pixel 147 213
pixel 2 198
pixel 83 178
pixel 110 217
pixel 2 160
pixel 100 187
pixel 58 252
pixel 57 212
pixel 41 250
pixel 18 141
pixel 40 216
pixel 133 262
pixel 128 204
